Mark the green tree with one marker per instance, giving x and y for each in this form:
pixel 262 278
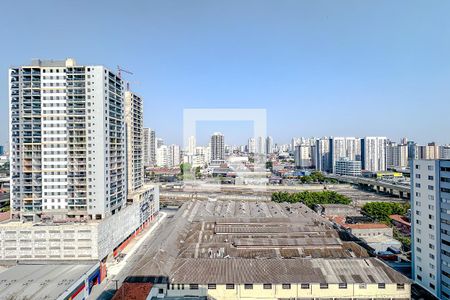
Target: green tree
pixel 382 210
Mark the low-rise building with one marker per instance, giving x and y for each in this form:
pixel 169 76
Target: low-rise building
pixel 347 167
pixel 77 240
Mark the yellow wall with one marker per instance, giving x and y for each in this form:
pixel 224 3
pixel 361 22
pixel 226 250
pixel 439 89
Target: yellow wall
pixel 277 292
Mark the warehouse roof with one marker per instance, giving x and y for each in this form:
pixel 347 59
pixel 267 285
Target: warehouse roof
pixel 278 271
pixel 39 281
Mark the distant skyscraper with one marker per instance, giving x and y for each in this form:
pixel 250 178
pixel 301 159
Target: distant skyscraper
pixel 374 153
pixel 217 148
pixel 349 147
pixel 251 145
pixel 269 145
pixel 191 145
pixel 159 142
pixel 260 145
pixel 149 152
pixel 323 155
pixel 174 156
pixel 430 212
pixel 67 140
pixel 444 152
pixel 303 156
pixel 2 150
pixel 162 156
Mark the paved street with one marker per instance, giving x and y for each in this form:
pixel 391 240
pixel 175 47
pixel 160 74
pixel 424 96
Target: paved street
pixel 150 245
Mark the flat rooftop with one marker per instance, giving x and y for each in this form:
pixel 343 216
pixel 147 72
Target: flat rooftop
pixel 39 281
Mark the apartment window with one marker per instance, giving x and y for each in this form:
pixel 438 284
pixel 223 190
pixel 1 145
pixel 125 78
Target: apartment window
pixel 432 276
pixel 304 286
pixel 431 246
pixel 419 277
pixel 160 291
pixel 230 286
pixel 248 286
pixel 431 188
pixel 324 285
pixel 362 286
pixel 381 285
pixel 286 286
pixel 430 177
pixel 267 286
pixel 193 286
pixel 417 167
pixel 417 185
pixel 342 285
pixel 431 256
pixel 431 207
pixel 418 176
pixel 212 286
pixel 432 286
pixel 430 168
pixel 400 286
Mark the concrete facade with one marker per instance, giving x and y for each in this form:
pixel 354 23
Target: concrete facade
pixel 76 241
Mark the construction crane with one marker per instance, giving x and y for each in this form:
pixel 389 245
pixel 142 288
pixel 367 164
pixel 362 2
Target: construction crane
pixel 120 70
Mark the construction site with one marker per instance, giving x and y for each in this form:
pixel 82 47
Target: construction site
pixel 271 250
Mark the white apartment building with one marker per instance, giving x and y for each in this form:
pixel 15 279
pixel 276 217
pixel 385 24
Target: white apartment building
pixel 67 140
pixel 303 156
pixel 251 145
pixel 162 156
pixel 430 211
pixel 322 155
pixel 134 119
pixel 373 155
pixel 149 152
pixel 349 147
pixel 348 167
pixel 191 144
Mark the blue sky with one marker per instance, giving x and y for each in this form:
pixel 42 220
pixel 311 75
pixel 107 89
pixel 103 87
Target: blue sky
pixel 318 67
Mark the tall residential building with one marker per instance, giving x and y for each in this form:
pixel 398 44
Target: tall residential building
pixel 430 211
pixel 303 156
pixel 134 120
pixel 260 145
pixel 349 147
pixel 217 148
pixel 67 140
pixel 162 156
pixel 444 152
pixel 191 144
pixel 269 145
pixel 149 147
pixel 159 142
pixel 2 150
pixel 251 145
pixel 396 155
pixel 412 150
pixel 323 155
pixel 373 150
pixel 174 156
pixel 429 151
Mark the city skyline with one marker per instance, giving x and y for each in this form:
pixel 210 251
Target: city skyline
pixel 306 65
